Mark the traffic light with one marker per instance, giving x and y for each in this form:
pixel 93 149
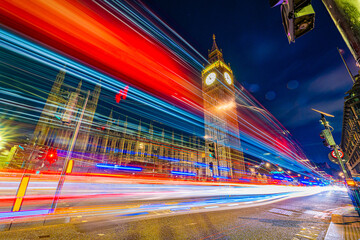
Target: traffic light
pixel 212 150
pixel 328 138
pixel 211 166
pixel 298 17
pixel 51 156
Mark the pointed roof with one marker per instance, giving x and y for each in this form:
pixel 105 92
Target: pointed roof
pixel 125 125
pixel 110 117
pixel 79 86
pixel 139 127
pixel 215 53
pixel 214 46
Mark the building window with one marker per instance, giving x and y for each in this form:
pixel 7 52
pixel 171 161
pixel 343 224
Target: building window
pixel 108 148
pixel 125 149
pixel 99 145
pixel 146 150
pixel 90 142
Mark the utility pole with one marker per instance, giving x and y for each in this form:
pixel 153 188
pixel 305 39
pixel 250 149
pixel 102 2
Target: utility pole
pixel 68 156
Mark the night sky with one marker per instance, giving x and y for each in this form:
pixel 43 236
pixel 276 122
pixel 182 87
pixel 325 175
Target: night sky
pixel 288 80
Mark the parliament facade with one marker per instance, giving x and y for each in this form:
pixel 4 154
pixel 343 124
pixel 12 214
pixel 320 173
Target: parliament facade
pixel 133 142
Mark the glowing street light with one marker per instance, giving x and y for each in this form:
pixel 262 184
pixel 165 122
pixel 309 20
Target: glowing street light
pixel 279 169
pixel 267 164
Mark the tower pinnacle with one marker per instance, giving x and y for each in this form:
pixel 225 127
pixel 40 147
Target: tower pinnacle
pixel 214 46
pixel 215 54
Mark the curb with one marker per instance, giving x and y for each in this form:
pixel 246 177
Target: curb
pixel 344 225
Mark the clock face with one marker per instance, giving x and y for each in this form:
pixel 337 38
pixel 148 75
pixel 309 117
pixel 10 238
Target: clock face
pixel 227 78
pixel 210 78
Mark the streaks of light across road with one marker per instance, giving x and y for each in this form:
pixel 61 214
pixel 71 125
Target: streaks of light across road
pixel 135 47
pixel 139 195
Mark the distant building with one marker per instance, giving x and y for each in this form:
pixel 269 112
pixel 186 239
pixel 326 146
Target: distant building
pixel 156 149
pixel 350 139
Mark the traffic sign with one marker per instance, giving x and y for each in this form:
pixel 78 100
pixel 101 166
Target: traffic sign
pixel 340 153
pixel 332 157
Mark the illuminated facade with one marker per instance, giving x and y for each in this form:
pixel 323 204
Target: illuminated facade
pixel 350 139
pixel 221 123
pixel 155 148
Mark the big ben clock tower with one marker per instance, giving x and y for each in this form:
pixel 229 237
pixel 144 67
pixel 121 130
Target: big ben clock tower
pixel 221 124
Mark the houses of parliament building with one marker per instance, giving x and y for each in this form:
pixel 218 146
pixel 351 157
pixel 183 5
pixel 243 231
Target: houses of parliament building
pixel 126 142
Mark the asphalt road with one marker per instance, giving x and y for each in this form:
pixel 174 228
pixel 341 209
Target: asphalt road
pixel 283 218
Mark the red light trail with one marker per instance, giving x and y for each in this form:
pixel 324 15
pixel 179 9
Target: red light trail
pixel 91 35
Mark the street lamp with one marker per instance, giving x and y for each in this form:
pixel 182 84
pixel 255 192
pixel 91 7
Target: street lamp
pixel 267 164
pixel 279 169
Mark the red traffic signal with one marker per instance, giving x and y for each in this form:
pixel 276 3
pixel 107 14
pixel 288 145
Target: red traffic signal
pixel 51 156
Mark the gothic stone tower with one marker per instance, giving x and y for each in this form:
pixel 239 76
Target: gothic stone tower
pixel 58 118
pixel 221 123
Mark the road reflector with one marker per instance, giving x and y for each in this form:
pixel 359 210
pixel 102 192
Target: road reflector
pixel 21 193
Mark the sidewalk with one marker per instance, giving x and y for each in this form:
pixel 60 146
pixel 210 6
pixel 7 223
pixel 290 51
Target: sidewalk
pixel 345 225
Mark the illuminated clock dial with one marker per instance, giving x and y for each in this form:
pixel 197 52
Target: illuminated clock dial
pixel 227 77
pixel 210 78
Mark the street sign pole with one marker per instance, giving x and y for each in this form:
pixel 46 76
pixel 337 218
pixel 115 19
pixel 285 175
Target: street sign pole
pixel 334 146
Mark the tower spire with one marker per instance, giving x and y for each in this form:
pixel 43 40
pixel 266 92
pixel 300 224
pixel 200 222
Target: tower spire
pixel 78 89
pixel 215 53
pixel 214 46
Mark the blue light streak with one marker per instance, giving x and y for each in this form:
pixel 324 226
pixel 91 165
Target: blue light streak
pixel 183 173
pixel 117 167
pixel 226 169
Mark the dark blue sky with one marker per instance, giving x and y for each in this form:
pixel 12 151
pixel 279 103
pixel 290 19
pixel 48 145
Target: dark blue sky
pixel 288 80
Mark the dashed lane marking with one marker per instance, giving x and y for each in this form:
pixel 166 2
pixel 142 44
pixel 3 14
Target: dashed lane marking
pixel 281 211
